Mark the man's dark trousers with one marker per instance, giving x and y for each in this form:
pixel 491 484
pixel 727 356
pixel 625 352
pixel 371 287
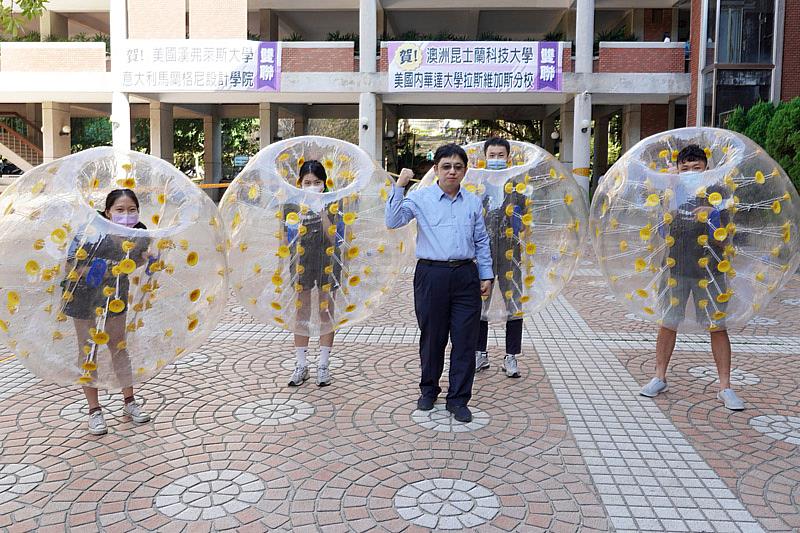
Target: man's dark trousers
pixel 447 301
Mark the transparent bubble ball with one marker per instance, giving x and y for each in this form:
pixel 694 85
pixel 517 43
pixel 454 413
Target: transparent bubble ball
pixel 536 216
pixel 89 302
pixel 312 262
pixel 697 251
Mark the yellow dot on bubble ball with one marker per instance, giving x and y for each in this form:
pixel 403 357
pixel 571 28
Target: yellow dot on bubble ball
pixel 672 282
pixel 642 293
pixel 720 234
pixel 520 188
pixel 350 308
pixel 192 258
pixel 759 177
pixel 702 240
pixel 715 198
pixel 349 218
pixel 652 200
pixel 194 295
pixel 116 306
pixel 640 264
pixel 724 266
pixel 568 199
pixel 530 248
pixel 283 251
pixel 776 207
pixel 669 240
pixel 703 262
pixel 623 246
pixel 292 218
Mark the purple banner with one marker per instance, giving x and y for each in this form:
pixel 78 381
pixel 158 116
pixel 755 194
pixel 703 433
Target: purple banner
pixel 480 66
pixel 549 68
pixel 269 67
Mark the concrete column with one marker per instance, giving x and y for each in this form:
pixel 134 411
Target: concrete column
pixel 33 113
pixel 370 125
pixel 267 123
pixel 637 23
pixel 212 148
pixel 584 35
pixel 581 139
pixel 566 119
pixel 631 126
pixel 51 23
pixel 120 106
pixel 162 131
pixel 54 117
pixel 367 32
pixel 548 127
pixel 600 162
pixel 300 125
pixel 674 30
pixel 268 24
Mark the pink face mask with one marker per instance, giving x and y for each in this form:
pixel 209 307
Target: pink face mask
pixel 127 220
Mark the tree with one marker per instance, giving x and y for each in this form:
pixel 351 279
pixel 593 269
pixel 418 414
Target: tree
pixel 783 138
pixel 776 129
pixel 10 22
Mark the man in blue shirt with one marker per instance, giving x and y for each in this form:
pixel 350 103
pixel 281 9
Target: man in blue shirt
pixel 448 284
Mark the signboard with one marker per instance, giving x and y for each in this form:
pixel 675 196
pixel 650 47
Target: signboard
pixel 240 160
pixel 174 65
pixel 480 66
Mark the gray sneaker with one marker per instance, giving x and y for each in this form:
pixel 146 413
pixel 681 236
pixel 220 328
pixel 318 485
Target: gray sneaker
pixel 510 366
pixel 731 401
pixel 481 361
pixel 299 375
pixel 97 424
pixel 323 376
pixel 134 410
pixel 654 388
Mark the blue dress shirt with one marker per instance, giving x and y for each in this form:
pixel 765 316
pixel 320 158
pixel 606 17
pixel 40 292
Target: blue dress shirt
pixel 447 228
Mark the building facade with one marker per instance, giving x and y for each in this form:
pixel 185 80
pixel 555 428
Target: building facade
pixel 680 63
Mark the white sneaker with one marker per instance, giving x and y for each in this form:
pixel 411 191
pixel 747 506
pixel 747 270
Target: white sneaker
pixel 323 376
pixel 731 401
pixel 481 361
pixel 654 388
pixel 136 413
pixel 97 424
pixel 510 366
pixel 299 375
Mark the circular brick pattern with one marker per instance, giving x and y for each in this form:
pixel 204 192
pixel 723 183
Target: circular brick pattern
pixel 209 495
pixel 289 363
pixel 762 321
pixel 17 479
pixel 778 427
pixel 78 411
pixel 273 412
pixel 738 376
pixel 191 359
pixel 440 419
pixel 446 504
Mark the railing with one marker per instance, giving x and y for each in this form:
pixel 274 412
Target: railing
pixel 30 130
pixel 23 152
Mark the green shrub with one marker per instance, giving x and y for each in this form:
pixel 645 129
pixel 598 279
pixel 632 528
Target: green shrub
pixel 783 138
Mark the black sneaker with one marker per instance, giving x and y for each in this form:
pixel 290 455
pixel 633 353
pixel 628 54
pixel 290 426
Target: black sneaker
pixel 461 413
pixel 425 403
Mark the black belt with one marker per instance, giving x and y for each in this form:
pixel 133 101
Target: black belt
pixel 453 263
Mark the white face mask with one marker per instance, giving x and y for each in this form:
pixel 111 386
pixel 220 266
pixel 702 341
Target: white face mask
pixel 314 188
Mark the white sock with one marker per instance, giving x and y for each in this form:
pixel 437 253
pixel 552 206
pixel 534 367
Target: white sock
pixel 324 355
pixel 301 355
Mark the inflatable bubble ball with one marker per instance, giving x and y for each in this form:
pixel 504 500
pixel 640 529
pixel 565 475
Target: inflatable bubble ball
pixel 536 216
pixel 106 302
pixel 691 248
pixel 312 259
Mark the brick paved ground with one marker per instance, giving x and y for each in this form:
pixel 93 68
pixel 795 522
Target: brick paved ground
pixel 568 447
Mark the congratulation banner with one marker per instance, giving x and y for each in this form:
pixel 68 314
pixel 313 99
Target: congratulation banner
pixel 480 66
pixel 175 65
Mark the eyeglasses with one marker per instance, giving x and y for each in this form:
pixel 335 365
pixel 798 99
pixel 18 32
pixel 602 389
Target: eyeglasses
pixel 447 167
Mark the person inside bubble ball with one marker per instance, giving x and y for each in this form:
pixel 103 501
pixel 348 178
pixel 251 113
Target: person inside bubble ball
pixel 319 265
pixel 96 297
pixel 503 237
pixel 454 269
pixel 695 258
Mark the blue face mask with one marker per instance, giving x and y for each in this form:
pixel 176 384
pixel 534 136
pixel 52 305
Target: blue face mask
pixel 496 164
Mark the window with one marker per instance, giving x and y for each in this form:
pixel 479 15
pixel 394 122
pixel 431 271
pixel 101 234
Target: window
pixel 745 31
